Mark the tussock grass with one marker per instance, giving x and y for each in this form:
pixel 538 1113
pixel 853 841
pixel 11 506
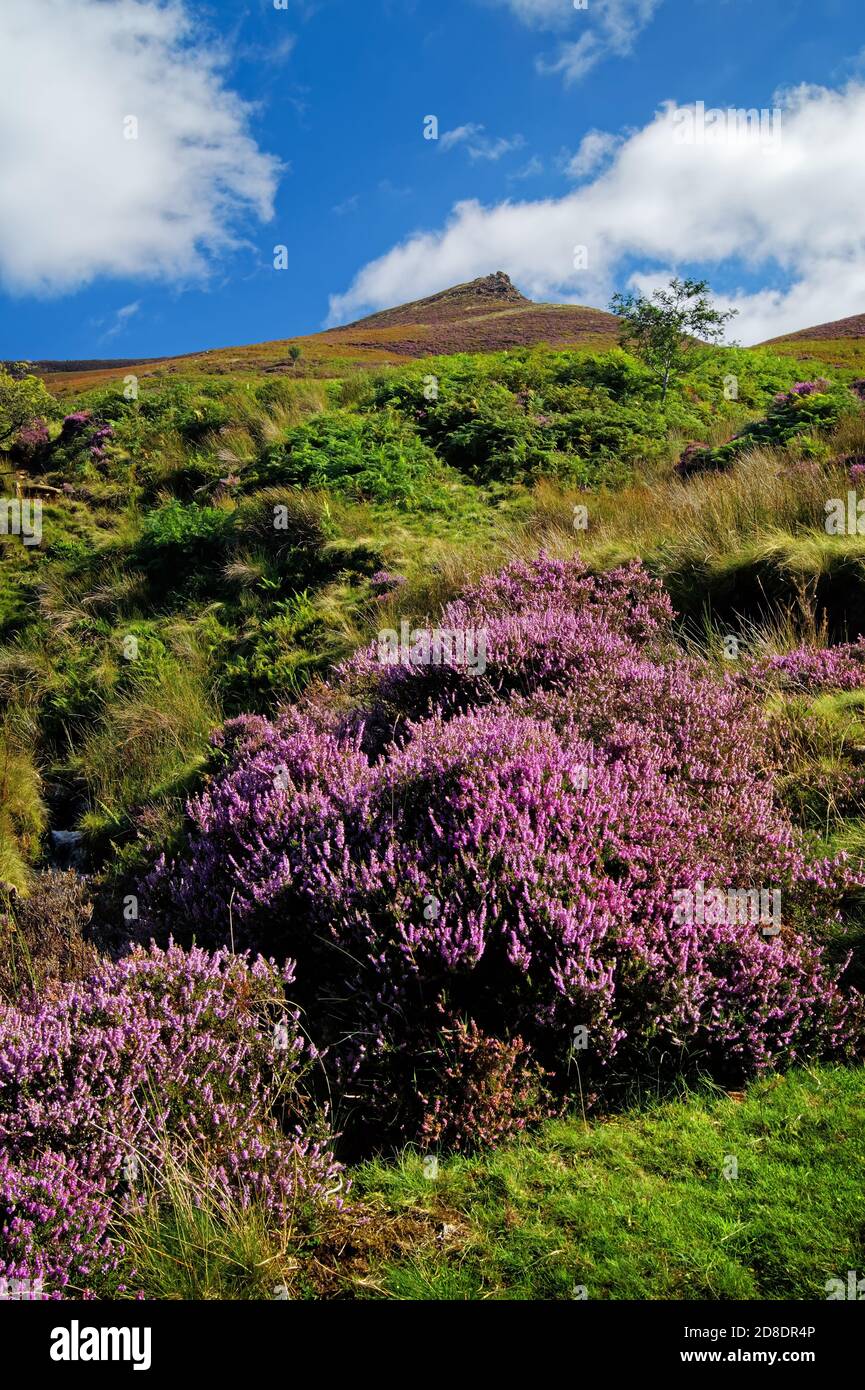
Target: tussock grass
pixel 187 1240
pixel 749 544
pixel 152 736
pixel 22 809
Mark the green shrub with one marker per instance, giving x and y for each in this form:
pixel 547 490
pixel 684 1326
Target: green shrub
pixel 181 542
pixel 809 408
pixel 23 399
pixel 378 458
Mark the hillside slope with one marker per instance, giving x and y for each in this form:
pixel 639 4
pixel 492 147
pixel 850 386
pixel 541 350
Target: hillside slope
pixel 839 343
pixel 852 327
pixel 484 315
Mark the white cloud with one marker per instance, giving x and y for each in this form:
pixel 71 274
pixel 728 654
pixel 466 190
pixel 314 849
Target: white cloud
pixel 608 28
pixel 789 214
pixel 494 149
pixel 77 199
pixel 546 14
pixel 530 170
pixel 478 144
pixel 458 136
pixel 121 318
pixel 595 149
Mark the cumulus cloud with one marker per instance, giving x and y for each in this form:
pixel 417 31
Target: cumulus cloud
pixel 78 197
pixel 786 212
pixel 609 28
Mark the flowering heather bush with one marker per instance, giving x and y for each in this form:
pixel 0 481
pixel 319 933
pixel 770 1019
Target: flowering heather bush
pixel 98 440
pixel 54 1223
pixel 199 1052
pixel 696 457
pixel 502 853
pixel 802 388
pixel 813 669
pixel 83 438
pixel 547 624
pixel 30 442
pixel 75 423
pixel 383 583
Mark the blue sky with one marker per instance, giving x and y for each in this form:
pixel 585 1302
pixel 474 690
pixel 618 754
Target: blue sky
pixel 304 128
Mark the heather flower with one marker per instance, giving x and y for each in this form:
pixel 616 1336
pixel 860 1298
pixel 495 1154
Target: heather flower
pixel 384 584
pixel 162 1048
pixel 801 389
pixel 502 851
pixel 694 458
pixel 76 422
pixel 32 437
pixel 812 669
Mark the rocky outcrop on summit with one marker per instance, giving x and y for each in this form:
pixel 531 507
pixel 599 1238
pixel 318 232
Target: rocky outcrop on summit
pixel 489 292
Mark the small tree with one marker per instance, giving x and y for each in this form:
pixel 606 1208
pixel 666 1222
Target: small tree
pixel 662 328
pixel 22 398
pixel 295 353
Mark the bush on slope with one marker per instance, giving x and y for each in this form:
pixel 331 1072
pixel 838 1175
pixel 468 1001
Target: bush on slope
pixel 507 849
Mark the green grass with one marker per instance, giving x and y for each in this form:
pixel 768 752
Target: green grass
pixel 633 1207
pixel 844 353
pixel 22 810
pixel 171 531
pixel 183 1243
pixel 639 1207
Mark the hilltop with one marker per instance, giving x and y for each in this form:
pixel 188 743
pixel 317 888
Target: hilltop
pixel 852 327
pixel 839 343
pixel 487 292
pixel 484 315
